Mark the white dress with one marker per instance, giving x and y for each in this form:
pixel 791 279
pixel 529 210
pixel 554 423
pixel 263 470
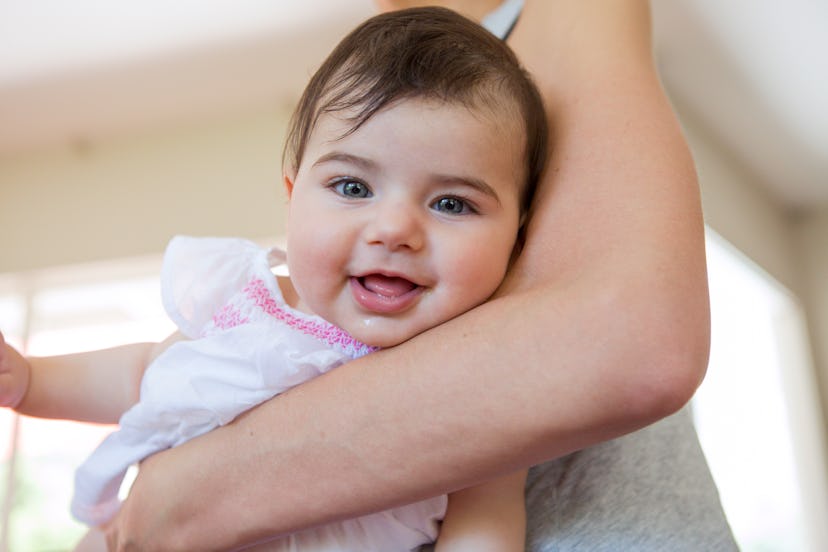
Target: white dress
pixel 246 346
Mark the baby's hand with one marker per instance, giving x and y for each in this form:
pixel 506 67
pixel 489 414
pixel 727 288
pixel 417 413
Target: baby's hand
pixel 14 375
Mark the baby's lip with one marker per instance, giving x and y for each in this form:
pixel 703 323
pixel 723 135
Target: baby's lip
pixel 383 293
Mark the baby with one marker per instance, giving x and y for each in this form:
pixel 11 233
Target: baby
pixel 409 165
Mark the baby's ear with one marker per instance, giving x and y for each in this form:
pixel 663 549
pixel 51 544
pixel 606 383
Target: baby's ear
pixel 288 178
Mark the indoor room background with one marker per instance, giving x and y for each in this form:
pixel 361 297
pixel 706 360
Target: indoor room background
pixel 123 124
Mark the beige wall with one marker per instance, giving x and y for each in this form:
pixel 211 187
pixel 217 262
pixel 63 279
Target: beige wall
pixel 812 240
pixel 741 212
pixel 129 196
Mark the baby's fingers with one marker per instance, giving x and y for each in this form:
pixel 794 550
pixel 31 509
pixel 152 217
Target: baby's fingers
pixel 14 375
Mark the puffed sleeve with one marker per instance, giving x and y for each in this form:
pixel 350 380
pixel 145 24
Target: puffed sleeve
pixel 199 275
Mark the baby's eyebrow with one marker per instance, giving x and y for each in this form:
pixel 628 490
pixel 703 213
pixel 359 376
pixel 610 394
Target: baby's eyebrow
pixel 342 157
pixel 475 183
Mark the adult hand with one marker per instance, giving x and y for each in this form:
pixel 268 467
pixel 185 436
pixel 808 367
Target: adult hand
pixel 138 526
pixel 124 531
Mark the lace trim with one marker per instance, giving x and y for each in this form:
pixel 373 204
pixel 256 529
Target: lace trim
pixel 257 291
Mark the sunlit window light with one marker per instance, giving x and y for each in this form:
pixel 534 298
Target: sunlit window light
pixel 741 410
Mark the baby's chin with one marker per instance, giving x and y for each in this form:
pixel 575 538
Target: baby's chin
pixel 372 332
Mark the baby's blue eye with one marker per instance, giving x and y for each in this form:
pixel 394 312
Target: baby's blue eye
pixel 353 188
pixel 451 205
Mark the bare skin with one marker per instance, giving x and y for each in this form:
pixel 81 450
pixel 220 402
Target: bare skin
pixel 473 9
pixel 49 387
pixel 601 327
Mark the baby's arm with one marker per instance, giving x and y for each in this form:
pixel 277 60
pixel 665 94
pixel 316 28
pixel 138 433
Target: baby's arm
pixel 486 517
pixel 94 386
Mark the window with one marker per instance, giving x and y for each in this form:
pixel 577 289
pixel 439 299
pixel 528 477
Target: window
pixel 56 312
pixel 757 413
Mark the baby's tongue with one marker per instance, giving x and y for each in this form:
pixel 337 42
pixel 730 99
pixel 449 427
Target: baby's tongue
pixel 387 286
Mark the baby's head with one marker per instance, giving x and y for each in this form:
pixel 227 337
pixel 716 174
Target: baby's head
pixel 422 53
pixel 410 163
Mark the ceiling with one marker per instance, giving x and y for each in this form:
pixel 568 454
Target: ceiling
pixel 755 73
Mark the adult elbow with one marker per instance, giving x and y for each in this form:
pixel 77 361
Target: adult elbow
pixel 674 376
pixel 672 350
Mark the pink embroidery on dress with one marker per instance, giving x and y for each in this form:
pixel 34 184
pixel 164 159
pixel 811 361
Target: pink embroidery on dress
pixel 228 317
pixel 257 291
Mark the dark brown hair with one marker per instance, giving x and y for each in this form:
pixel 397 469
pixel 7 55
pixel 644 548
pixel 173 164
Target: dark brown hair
pixel 430 53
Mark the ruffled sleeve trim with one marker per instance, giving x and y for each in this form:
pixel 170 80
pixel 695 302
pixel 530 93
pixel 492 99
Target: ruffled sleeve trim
pixel 199 275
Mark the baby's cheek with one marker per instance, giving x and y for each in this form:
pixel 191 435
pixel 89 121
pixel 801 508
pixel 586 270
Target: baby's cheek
pixel 482 277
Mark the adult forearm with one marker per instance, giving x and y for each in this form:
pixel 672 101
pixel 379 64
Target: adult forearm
pixel 430 417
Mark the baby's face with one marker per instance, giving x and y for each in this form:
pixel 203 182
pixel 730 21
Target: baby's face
pixel 407 222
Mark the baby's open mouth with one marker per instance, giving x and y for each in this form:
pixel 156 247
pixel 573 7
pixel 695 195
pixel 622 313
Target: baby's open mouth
pixel 387 286
pixel 383 294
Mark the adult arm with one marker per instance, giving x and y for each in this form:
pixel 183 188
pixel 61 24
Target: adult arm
pixel 601 328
